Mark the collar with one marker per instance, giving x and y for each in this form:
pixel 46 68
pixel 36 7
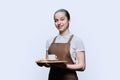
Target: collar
pixel 66 36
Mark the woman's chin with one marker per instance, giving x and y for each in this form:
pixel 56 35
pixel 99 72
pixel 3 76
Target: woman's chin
pixel 61 30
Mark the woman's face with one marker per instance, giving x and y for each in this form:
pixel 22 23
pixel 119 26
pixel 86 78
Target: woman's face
pixel 61 21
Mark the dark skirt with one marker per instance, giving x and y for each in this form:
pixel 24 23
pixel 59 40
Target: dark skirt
pixel 62 74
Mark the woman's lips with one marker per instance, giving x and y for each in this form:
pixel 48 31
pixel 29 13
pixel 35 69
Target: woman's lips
pixel 60 26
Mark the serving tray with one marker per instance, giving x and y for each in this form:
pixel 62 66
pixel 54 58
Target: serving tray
pixel 51 61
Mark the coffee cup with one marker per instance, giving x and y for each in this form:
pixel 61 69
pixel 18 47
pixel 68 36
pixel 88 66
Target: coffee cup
pixel 52 57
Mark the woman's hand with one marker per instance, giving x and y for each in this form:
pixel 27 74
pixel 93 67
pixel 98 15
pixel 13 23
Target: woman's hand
pixel 76 67
pixel 42 64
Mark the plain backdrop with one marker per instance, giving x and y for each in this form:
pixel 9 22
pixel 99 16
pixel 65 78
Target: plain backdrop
pixel 25 26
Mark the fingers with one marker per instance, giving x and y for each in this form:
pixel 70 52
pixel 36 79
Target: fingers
pixel 47 65
pixel 39 60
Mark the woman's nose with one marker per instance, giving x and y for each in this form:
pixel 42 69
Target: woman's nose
pixel 59 22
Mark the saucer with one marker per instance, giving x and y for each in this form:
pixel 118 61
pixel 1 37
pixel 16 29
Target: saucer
pixel 52 59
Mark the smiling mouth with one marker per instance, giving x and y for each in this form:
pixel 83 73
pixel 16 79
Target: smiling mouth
pixel 60 26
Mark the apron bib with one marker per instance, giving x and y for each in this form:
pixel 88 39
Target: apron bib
pixel 62 51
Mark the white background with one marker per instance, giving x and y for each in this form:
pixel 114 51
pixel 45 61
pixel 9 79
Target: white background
pixel 25 25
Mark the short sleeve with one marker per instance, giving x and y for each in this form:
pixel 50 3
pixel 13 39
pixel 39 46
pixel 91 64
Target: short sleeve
pixel 78 44
pixel 48 43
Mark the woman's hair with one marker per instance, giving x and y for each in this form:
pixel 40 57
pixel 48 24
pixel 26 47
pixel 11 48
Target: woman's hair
pixel 65 11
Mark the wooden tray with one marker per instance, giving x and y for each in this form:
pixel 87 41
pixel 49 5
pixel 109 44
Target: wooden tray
pixel 51 61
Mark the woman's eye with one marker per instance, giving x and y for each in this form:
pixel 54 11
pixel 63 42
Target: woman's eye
pixel 55 20
pixel 62 19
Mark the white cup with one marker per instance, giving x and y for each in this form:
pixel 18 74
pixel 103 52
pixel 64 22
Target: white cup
pixel 52 57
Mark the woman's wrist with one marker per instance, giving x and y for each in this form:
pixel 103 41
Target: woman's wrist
pixel 76 67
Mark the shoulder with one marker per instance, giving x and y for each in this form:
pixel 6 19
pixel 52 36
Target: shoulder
pixel 50 40
pixel 77 39
pixel 77 43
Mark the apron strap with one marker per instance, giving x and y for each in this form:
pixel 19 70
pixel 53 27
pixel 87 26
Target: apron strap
pixel 54 39
pixel 70 38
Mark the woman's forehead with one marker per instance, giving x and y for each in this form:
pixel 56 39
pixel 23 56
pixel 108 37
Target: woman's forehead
pixel 60 14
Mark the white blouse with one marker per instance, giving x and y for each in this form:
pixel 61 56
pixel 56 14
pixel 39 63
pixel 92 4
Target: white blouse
pixel 76 44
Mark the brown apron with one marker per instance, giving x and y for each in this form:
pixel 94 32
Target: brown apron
pixel 62 51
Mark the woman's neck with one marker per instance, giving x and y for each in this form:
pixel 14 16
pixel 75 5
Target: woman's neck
pixel 64 32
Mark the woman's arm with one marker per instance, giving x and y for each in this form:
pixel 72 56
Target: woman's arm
pixel 81 64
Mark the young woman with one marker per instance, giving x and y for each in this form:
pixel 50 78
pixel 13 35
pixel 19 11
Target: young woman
pixel 65 46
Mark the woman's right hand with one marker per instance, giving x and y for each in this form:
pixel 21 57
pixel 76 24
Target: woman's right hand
pixel 42 64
